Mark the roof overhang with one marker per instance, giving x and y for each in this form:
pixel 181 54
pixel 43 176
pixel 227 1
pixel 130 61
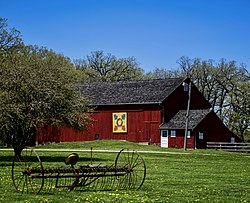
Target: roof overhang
pixel 121 104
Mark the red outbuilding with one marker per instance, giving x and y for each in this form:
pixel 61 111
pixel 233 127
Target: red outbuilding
pixel 148 111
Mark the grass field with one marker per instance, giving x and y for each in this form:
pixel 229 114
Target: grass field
pixel 193 176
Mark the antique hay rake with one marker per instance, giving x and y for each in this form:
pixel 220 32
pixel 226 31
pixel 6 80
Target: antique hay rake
pixel 29 174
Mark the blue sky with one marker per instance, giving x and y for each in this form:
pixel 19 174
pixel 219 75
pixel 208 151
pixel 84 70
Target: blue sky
pixel 156 32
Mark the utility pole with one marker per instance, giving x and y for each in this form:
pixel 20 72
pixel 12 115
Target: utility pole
pixel 187 116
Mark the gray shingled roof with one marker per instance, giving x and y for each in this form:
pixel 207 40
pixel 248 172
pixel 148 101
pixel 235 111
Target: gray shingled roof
pixel 179 120
pixel 130 92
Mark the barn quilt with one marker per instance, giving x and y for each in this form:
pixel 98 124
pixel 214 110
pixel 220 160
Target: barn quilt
pixel 119 122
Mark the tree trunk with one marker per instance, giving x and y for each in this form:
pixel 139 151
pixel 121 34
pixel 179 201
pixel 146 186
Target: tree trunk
pixel 18 152
pixel 242 135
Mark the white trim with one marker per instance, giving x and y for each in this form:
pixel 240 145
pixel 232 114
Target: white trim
pixel 201 136
pixel 172 133
pixel 164 139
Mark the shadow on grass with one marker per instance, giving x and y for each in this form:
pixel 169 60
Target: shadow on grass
pixel 9 159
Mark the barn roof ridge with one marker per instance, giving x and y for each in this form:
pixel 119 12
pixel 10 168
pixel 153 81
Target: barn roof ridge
pixel 130 92
pixel 131 81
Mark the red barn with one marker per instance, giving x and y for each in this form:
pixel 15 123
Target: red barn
pixel 150 111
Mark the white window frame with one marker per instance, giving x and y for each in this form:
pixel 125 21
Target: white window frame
pixel 185 87
pixel 173 133
pixel 232 139
pixel 189 134
pixel 201 136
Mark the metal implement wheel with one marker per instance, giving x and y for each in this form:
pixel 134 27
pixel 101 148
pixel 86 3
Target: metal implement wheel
pixel 131 169
pixel 27 172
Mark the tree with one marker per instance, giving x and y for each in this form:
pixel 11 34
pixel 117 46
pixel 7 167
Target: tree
pixel 206 76
pixel 162 73
pixel 239 119
pixel 107 68
pixel 223 85
pixel 38 88
pixel 10 39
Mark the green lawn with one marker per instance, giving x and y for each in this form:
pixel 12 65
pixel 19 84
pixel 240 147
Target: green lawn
pixel 195 176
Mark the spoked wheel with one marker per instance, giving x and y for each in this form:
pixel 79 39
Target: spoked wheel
pixel 131 169
pixel 27 172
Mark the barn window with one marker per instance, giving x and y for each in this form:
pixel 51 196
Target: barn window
pixel 185 87
pixel 173 133
pixel 189 134
pixel 164 133
pixel 232 139
pixel 201 136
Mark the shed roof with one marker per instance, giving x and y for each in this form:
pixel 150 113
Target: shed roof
pixel 130 92
pixel 179 120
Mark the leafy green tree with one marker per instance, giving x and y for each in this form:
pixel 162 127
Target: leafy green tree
pixel 10 39
pixel 107 68
pixel 247 135
pixel 38 88
pixel 239 119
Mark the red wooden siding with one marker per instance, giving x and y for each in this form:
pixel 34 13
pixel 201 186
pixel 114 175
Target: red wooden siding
pixel 143 126
pixel 178 141
pixel 47 135
pixel 214 131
